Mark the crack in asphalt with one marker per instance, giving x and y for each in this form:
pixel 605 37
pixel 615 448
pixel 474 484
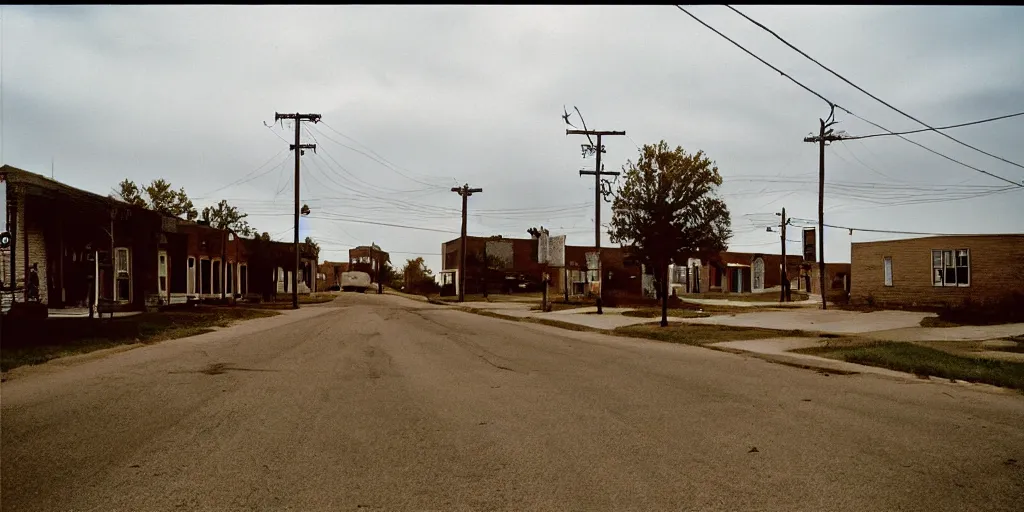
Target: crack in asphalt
pixel 221 368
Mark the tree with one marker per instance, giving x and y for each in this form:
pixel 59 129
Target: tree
pixel 418 277
pixel 159 197
pixel 225 216
pixel 668 210
pixel 131 194
pixel 390 276
pixel 311 248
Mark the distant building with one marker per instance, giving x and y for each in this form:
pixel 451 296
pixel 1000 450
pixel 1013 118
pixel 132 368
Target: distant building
pixel 330 274
pixel 508 265
pixel 368 259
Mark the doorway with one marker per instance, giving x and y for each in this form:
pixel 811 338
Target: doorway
pixel 758 278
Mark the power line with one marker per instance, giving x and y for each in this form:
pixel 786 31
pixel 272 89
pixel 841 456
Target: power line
pixel 872 96
pixel 930 150
pixel 777 70
pixel 972 123
pixel 354 220
pixel 377 158
pixel 890 231
pixel 834 105
pixel 246 178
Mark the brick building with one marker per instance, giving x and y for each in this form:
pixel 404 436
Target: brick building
pixel 837 279
pixel 937 271
pixel 734 272
pixel 368 259
pixel 87 249
pixel 506 265
pixel 330 274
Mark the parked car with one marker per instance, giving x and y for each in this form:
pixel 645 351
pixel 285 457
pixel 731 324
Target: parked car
pixel 355 281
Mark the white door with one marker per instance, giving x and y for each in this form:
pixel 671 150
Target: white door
pixel 190 285
pixel 758 277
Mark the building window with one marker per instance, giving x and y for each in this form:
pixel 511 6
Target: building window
pixel 122 275
pixel 951 267
pixel 243 279
pixel 191 277
pixel 888 270
pixel 205 275
pixel 216 277
pixel 162 272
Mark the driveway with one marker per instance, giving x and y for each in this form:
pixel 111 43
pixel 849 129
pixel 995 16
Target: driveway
pixel 375 402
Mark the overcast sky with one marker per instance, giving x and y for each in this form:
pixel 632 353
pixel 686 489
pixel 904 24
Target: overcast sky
pixel 417 99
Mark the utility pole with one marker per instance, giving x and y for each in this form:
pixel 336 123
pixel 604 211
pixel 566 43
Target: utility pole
pixel 298 147
pixel 597 172
pixel 784 293
pixel 465 192
pixel 825 134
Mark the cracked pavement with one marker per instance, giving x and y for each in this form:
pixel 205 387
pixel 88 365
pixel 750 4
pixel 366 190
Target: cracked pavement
pixel 383 403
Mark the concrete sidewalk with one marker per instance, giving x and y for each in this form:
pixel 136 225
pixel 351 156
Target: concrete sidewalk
pixel 742 304
pixel 960 333
pixel 828 321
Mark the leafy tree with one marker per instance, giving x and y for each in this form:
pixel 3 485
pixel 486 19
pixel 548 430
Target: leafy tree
pixel 225 216
pixel 390 276
pixel 312 248
pixel 131 194
pixel 159 196
pixel 418 277
pixel 668 210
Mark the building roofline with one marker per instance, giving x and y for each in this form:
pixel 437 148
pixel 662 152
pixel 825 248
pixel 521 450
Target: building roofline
pixel 981 235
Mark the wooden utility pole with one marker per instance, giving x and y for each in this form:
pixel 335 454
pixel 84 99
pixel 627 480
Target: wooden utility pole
pixel 825 134
pixel 465 192
pixel 597 172
pixel 297 147
pixel 784 293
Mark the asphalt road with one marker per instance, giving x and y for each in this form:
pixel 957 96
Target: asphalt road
pixel 381 403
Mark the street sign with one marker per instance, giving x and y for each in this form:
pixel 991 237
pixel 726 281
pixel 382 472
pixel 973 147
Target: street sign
pixel 810 254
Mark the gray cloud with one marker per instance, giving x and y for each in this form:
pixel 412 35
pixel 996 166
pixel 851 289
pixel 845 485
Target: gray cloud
pixel 471 94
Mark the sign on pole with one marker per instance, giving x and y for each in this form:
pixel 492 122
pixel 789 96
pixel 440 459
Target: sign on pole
pixel 810 242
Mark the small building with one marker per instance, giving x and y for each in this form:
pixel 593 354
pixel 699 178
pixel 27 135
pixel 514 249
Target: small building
pixel 937 271
pixel 734 272
pixel 837 280
pixel 330 274
pixel 82 246
pixel 368 259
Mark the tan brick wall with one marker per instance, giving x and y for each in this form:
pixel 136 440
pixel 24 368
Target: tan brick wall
pixel 996 269
pixel 31 235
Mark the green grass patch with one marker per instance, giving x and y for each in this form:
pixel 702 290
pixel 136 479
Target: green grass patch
pixel 656 313
pixel 924 361
pixel 70 336
pixel 703 334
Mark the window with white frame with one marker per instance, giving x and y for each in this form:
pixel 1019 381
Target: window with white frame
pixel 887 264
pixel 162 272
pixel 122 275
pixel 951 267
